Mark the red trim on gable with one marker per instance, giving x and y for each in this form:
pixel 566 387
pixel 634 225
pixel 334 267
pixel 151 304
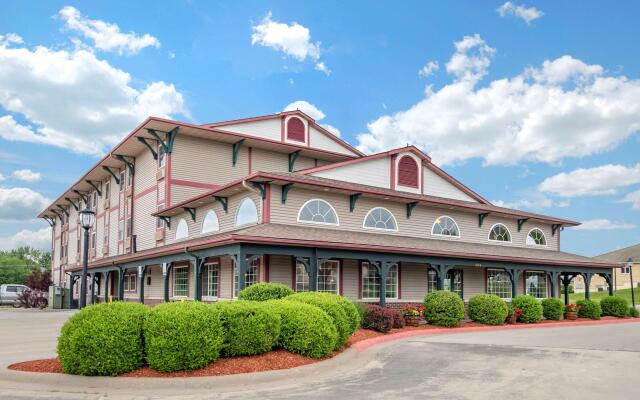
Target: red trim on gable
pixel 457 183
pixel 392 182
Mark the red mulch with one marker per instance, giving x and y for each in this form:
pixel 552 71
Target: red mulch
pixel 273 360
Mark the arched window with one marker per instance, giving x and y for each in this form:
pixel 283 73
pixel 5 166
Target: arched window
pixel 408 172
pixel 295 129
pixel 210 222
pixel 536 238
pixel 318 212
pixel 445 226
pixel 499 233
pixel 380 218
pixel 182 231
pixel 247 212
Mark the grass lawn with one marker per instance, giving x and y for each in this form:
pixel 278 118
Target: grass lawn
pixel 597 296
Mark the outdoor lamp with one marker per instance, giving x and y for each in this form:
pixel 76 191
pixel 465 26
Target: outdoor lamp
pixel 87 218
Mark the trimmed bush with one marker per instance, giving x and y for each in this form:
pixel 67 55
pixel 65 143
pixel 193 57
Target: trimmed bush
pixel 305 329
pixel 378 318
pixel 633 312
pixel 103 339
pixel 552 308
pixel 360 308
pixel 443 308
pixel 588 309
pixel 530 307
pixel 182 336
pixel 329 304
pixel 249 327
pixel 614 306
pixel 398 320
pixel 265 291
pixel 350 309
pixel 488 309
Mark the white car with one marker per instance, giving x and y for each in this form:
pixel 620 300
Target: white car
pixel 9 293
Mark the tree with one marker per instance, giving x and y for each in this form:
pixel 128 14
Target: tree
pixel 39 280
pixel 17 264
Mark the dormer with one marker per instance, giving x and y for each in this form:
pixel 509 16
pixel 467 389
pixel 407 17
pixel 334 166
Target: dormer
pixel 295 130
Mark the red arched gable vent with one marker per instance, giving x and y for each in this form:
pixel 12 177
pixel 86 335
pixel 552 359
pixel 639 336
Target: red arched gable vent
pixel 295 129
pixel 408 172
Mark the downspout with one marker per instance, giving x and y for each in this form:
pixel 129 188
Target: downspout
pixel 248 187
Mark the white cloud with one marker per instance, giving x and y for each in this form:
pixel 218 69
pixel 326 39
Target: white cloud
pixel 428 69
pixel 10 38
pixel 73 100
pixel 293 40
pixel 602 180
pixel 527 14
pixel 312 111
pixel 531 200
pixel 603 224
pixel 632 198
pixel 566 108
pixel 20 204
pixel 106 36
pixel 2 177
pixel 40 239
pixel 26 175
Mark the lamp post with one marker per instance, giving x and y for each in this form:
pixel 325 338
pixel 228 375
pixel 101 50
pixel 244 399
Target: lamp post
pixel 633 297
pixel 87 217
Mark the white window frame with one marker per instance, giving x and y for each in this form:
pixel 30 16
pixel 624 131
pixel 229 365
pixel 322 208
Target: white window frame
pixel 526 239
pixel 364 265
pixel 337 223
pixel 510 283
pixel 173 281
pixel 500 241
pixel 446 236
pixel 546 284
pixel 186 224
pixel 338 282
pixel 210 211
pixel 206 283
pixel 305 281
pixel 393 217
pixel 235 219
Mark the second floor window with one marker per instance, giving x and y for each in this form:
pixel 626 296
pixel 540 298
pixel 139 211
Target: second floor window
pixel 161 155
pixel 122 177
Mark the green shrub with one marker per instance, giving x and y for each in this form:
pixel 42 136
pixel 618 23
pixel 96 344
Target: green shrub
pixel 305 329
pixel 360 308
pixel 633 312
pixel 443 308
pixel 488 309
pixel 614 306
pixel 329 304
pixel 588 309
pixel 350 309
pixel 530 307
pixel 182 336
pixel 249 327
pixel 103 339
pixel 552 308
pixel 265 291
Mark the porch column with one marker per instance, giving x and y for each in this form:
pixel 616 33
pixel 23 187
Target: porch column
pixel 121 283
pixel 166 268
pixel 566 281
pixel 92 279
pixel 587 284
pixel 514 273
pixel 105 276
pixel 553 277
pixel 141 272
pixel 198 263
pixel 72 283
pixel 311 267
pixel 441 273
pixel 609 280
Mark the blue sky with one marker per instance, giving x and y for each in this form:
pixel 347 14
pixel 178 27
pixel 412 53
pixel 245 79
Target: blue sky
pixel 535 105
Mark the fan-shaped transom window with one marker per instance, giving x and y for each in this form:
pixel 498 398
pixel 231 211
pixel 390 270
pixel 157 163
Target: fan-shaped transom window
pixel 445 226
pixel 182 231
pixel 408 172
pixel 499 233
pixel 295 129
pixel 210 222
pixel 380 218
pixel 247 212
pixel 536 238
pixel 318 212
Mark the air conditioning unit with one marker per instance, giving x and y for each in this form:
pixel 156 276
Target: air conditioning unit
pixel 105 250
pixel 106 203
pixel 159 234
pixel 160 174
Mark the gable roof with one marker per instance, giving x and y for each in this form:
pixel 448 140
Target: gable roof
pixel 622 255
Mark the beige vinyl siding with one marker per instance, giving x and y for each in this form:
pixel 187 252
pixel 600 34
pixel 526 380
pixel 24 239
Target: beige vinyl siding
pixel 269 128
pixel 414 281
pixel 113 229
pixel 349 282
pixel 419 225
pixel 304 163
pixel 155 290
pixel 146 168
pixel 435 185
pixel 374 172
pixel 144 226
pixel 473 281
pixel 226 278
pixel 281 269
pixel 268 161
pixel 319 140
pixel 181 193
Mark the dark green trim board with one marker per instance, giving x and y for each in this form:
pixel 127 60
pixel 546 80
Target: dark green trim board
pixel 292 159
pixel 129 164
pixel 481 218
pixel 64 210
pixel 262 187
pixel 50 221
pixel 82 195
pixel 170 137
pixel 167 220
pixel 113 174
pixel 148 146
pixel 521 222
pixel 353 199
pixel 285 191
pixel 95 186
pixel 410 207
pixel 235 150
pixel 191 211
pixel 554 228
pixel 224 201
pixel 72 203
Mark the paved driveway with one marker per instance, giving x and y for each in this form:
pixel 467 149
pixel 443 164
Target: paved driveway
pixel 586 362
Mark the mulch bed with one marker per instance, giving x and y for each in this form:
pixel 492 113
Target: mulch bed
pixel 273 360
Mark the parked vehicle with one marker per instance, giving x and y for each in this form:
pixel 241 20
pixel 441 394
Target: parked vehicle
pixel 9 294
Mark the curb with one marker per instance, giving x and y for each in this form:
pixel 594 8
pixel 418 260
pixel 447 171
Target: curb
pixel 365 344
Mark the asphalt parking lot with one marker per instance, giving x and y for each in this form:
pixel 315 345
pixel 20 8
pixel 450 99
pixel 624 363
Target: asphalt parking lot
pixel 582 362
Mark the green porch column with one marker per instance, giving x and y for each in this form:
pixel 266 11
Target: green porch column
pixel 198 263
pixel 166 268
pixel 105 276
pixel 566 281
pixel 121 272
pixel 92 279
pixel 72 283
pixel 515 279
pixel 587 284
pixel 383 271
pixel 553 277
pixel 141 272
pixel 609 280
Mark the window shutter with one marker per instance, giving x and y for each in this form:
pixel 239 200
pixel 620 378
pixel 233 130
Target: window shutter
pixel 408 172
pixel 295 129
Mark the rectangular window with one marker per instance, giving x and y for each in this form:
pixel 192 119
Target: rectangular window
pixel 93 239
pixel 161 157
pixel 128 227
pixel 125 283
pixel 210 279
pixel 95 200
pixel 371 282
pixel 536 284
pixel 453 282
pixel 499 283
pixel 328 276
pixel 107 190
pixel 180 281
pixel 120 231
pixel 105 233
pixel 302 278
pixel 90 202
pixel 78 230
pixel 250 277
pixel 122 177
pixel 160 222
pixel 432 280
pixel 129 179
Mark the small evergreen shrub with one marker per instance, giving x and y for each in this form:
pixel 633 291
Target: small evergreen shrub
pixel 488 309
pixel 398 320
pixel 249 327
pixel 589 309
pixel 633 312
pixel 443 308
pixel 378 318
pixel 614 306
pixel 530 307
pixel 182 336
pixel 265 291
pixel 330 305
pixel 305 329
pixel 103 339
pixel 350 309
pixel 360 308
pixel 552 308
